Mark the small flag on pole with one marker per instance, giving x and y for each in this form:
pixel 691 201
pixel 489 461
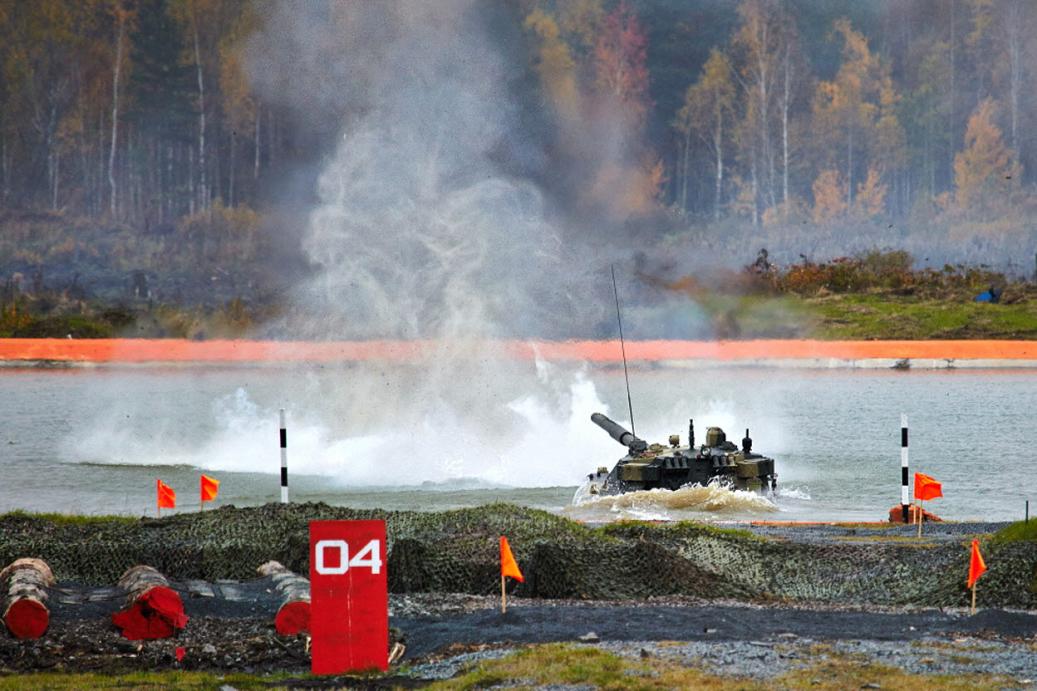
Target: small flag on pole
pixel 977 567
pixel 166 496
pixel 508 568
pixel 508 565
pixel 927 488
pixel 210 487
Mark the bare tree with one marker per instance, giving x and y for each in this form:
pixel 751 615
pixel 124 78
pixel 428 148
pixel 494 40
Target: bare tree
pixel 120 14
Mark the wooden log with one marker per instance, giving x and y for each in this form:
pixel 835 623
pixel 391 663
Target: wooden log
pixel 24 583
pixel 895 515
pixel 293 616
pixel 153 609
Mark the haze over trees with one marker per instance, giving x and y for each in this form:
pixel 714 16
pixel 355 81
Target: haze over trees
pixel 139 126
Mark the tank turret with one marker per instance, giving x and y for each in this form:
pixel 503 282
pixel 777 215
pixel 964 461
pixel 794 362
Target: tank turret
pixel 655 466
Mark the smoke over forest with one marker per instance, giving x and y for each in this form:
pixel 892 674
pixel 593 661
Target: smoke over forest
pixel 437 169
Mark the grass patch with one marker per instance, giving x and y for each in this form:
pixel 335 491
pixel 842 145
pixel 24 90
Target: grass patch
pixel 902 540
pixel 1020 531
pixel 680 529
pixel 134 681
pixel 63 519
pixel 887 317
pixel 562 663
pixel 868 316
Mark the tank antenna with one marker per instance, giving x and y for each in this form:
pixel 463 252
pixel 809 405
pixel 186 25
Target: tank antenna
pixel 623 349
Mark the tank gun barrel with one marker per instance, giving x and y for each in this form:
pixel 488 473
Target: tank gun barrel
pixel 617 432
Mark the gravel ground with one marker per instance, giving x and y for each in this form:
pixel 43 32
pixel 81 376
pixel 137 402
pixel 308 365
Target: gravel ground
pixel 446 633
pixel 534 623
pixel 731 639
pixel 766 659
pixel 823 533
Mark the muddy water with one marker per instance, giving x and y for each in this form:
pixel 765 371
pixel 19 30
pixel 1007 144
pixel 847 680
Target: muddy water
pixel 95 440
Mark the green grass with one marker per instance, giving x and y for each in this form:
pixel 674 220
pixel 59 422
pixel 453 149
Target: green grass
pixel 758 316
pixel 889 317
pixel 561 663
pixel 1017 532
pixel 632 528
pixel 867 316
pixel 69 519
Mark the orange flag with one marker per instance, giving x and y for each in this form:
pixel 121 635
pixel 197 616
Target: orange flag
pixel 976 564
pixel 927 488
pixel 508 565
pixel 210 488
pixel 166 495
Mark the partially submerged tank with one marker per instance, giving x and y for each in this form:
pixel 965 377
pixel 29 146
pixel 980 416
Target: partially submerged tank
pixel 655 466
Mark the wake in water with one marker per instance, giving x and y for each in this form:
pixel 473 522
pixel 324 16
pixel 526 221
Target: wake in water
pixel 664 504
pixel 530 429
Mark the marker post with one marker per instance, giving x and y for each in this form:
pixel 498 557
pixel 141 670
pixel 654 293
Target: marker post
pixel 284 460
pixel 903 467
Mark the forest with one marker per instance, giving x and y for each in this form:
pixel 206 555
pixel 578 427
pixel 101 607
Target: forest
pixel 147 145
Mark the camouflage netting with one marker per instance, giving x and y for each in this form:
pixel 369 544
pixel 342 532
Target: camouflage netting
pixel 457 551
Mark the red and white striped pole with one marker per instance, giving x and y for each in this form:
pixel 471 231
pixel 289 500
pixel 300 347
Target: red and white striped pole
pixel 903 466
pixel 284 460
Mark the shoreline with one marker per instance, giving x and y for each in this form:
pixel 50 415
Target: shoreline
pixel 807 354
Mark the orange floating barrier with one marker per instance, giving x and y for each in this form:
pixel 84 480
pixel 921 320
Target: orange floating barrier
pixel 13 350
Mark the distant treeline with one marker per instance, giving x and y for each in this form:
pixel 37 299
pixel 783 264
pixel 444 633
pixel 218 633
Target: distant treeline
pixel 144 115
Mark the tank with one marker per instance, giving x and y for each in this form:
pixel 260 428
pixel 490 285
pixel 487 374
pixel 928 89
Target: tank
pixel 670 466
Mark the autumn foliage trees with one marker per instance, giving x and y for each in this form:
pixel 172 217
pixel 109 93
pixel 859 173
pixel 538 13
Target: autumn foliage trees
pixel 921 121
pixel 986 171
pixel 143 113
pixel 593 69
pixel 137 111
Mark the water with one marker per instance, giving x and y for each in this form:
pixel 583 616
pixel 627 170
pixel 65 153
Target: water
pixel 94 440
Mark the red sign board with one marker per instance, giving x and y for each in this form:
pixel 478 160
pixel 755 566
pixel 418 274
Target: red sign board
pixel 349 597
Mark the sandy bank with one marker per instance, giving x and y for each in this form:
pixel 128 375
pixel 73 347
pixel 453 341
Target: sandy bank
pixel 792 353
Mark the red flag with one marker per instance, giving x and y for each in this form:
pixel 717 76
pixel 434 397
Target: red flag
pixel 927 488
pixel 166 495
pixel 210 488
pixel 976 564
pixel 508 565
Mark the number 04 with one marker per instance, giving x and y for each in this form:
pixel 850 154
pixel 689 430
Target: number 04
pixel 369 556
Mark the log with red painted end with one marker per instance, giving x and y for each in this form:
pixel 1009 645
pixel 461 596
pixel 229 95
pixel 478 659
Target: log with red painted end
pixel 153 609
pixel 24 583
pixel 293 617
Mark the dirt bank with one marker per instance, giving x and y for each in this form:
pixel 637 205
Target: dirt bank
pixel 136 351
